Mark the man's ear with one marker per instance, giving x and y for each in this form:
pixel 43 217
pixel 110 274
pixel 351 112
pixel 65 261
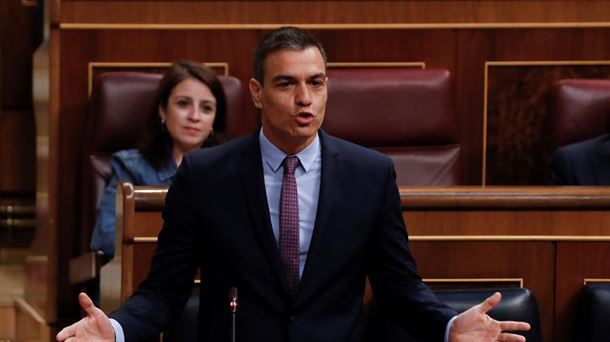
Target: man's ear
pixel 256 92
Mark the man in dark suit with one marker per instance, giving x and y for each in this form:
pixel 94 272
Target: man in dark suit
pixel 582 163
pixel 293 218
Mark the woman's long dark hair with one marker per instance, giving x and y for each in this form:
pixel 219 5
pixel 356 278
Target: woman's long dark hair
pixel 157 143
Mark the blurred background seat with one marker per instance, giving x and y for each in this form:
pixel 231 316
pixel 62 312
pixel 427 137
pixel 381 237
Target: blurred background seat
pixel 579 109
pixel 593 313
pixel 518 304
pixel 405 113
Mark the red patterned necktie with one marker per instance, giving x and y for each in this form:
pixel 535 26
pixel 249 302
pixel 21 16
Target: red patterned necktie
pixel 289 224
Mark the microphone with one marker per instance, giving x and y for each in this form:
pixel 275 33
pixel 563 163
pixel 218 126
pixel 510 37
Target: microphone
pixel 233 299
pixel 233 303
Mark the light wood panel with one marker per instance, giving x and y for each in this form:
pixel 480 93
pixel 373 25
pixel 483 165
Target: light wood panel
pixel 30 326
pixel 7 320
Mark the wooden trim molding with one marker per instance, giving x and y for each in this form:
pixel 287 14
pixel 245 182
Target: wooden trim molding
pixel 498 197
pixel 346 26
pixel 488 238
pixel 588 281
pixel 339 65
pixel 518 281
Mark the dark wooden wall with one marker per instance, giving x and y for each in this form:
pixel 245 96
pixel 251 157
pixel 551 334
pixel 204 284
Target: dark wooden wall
pixel 20 35
pixel 503 56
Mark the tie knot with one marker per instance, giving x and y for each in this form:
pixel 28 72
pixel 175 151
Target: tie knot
pixel 290 164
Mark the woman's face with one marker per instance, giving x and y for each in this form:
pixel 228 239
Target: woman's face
pixel 190 113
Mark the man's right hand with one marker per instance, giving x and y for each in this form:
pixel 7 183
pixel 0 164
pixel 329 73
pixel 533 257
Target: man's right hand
pixel 95 327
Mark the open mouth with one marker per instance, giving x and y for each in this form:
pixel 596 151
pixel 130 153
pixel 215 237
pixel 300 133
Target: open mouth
pixel 304 118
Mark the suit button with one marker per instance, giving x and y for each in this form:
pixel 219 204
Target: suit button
pixel 293 320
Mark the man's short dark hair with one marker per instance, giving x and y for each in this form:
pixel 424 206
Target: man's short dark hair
pixel 283 38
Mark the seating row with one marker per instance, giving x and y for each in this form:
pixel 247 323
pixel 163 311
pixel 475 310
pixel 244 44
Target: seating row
pixel 407 114
pixel 419 129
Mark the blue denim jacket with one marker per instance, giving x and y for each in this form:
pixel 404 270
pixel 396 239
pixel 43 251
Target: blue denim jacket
pixel 127 165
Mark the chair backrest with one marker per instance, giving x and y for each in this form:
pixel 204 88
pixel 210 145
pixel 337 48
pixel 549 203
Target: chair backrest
pixel 118 108
pixel 405 113
pixel 518 304
pixel 594 313
pixel 579 109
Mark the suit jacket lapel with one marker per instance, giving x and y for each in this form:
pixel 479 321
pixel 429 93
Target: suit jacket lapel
pixel 601 164
pixel 330 172
pixel 251 170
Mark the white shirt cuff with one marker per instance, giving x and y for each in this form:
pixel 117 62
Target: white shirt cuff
pixel 119 336
pixel 447 329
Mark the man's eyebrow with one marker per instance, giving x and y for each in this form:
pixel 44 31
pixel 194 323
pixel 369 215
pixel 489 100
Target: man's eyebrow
pixel 318 75
pixel 282 78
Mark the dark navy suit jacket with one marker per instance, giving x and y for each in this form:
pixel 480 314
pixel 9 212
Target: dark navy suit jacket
pixel 217 219
pixel 582 163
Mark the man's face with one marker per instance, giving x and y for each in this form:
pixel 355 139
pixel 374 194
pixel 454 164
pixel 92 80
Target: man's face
pixel 292 98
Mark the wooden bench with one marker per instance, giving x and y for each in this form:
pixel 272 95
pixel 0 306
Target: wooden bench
pixel 551 240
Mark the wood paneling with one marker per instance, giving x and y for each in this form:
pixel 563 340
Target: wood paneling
pixel 7 320
pixel 576 261
pixel 531 261
pixel 537 233
pixel 21 32
pixel 30 326
pixel 332 12
pixel 17 152
pixel 475 48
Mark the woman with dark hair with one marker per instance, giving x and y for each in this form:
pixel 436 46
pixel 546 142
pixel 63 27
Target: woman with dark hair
pixel 190 113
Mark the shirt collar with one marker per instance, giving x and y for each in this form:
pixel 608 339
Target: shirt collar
pixel 274 157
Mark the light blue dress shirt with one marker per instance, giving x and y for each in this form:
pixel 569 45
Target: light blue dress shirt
pixel 308 175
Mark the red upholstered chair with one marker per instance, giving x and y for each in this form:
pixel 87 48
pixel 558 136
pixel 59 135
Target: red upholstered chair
pixel 579 109
pixel 119 105
pixel 407 114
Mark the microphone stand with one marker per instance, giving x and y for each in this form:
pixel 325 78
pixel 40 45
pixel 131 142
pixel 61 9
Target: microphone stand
pixel 233 303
